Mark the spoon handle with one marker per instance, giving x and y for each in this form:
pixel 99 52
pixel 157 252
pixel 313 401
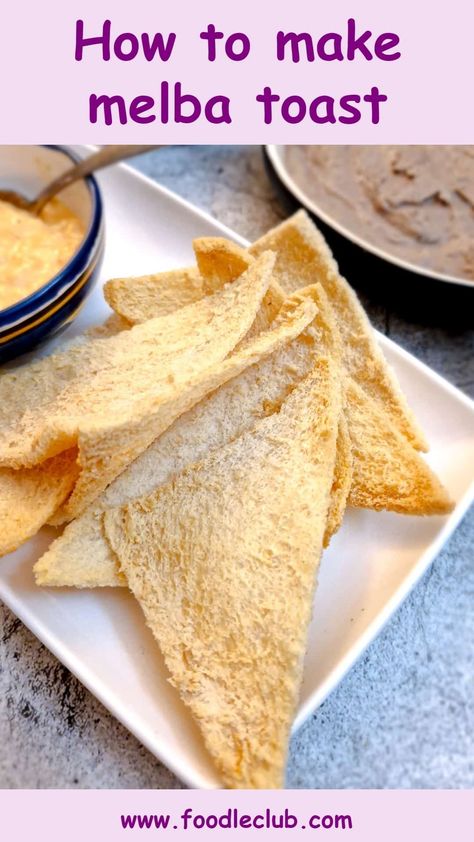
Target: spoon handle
pixel 105 156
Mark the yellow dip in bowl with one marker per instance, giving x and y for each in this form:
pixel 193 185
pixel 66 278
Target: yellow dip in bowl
pixel 34 249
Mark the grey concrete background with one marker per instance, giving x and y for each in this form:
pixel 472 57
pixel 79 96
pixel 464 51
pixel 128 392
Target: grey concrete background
pixel 403 717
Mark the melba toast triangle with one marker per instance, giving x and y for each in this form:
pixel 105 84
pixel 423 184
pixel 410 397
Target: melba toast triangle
pixel 303 257
pixel 223 561
pixel 387 472
pixel 219 261
pixel 148 296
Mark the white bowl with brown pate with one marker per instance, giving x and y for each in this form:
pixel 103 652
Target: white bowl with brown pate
pixel 410 205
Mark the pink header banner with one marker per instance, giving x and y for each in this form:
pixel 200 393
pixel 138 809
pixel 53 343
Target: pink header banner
pixel 356 815
pixel 245 72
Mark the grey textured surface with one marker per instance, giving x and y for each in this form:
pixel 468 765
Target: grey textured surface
pixel 403 717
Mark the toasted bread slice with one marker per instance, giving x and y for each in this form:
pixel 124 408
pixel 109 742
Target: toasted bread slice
pixel 30 496
pixel 223 562
pixel 303 257
pixel 387 472
pixel 138 299
pixel 264 370
pixel 94 407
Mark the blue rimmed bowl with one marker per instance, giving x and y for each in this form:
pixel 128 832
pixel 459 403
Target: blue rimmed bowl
pixel 55 304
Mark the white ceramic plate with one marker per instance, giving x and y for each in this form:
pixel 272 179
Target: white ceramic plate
pixel 276 156
pixel 367 572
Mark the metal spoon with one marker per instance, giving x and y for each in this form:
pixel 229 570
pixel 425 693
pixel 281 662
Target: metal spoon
pixel 105 156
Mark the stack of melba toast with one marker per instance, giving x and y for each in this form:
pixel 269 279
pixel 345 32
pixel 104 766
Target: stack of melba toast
pixel 202 447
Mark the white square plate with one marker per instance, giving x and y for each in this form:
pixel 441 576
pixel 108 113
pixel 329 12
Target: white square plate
pixel 369 569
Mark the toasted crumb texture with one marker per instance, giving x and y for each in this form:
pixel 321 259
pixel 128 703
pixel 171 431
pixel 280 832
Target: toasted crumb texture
pixel 112 397
pixel 30 496
pixel 303 257
pixel 388 473
pixel 223 561
pixel 265 369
